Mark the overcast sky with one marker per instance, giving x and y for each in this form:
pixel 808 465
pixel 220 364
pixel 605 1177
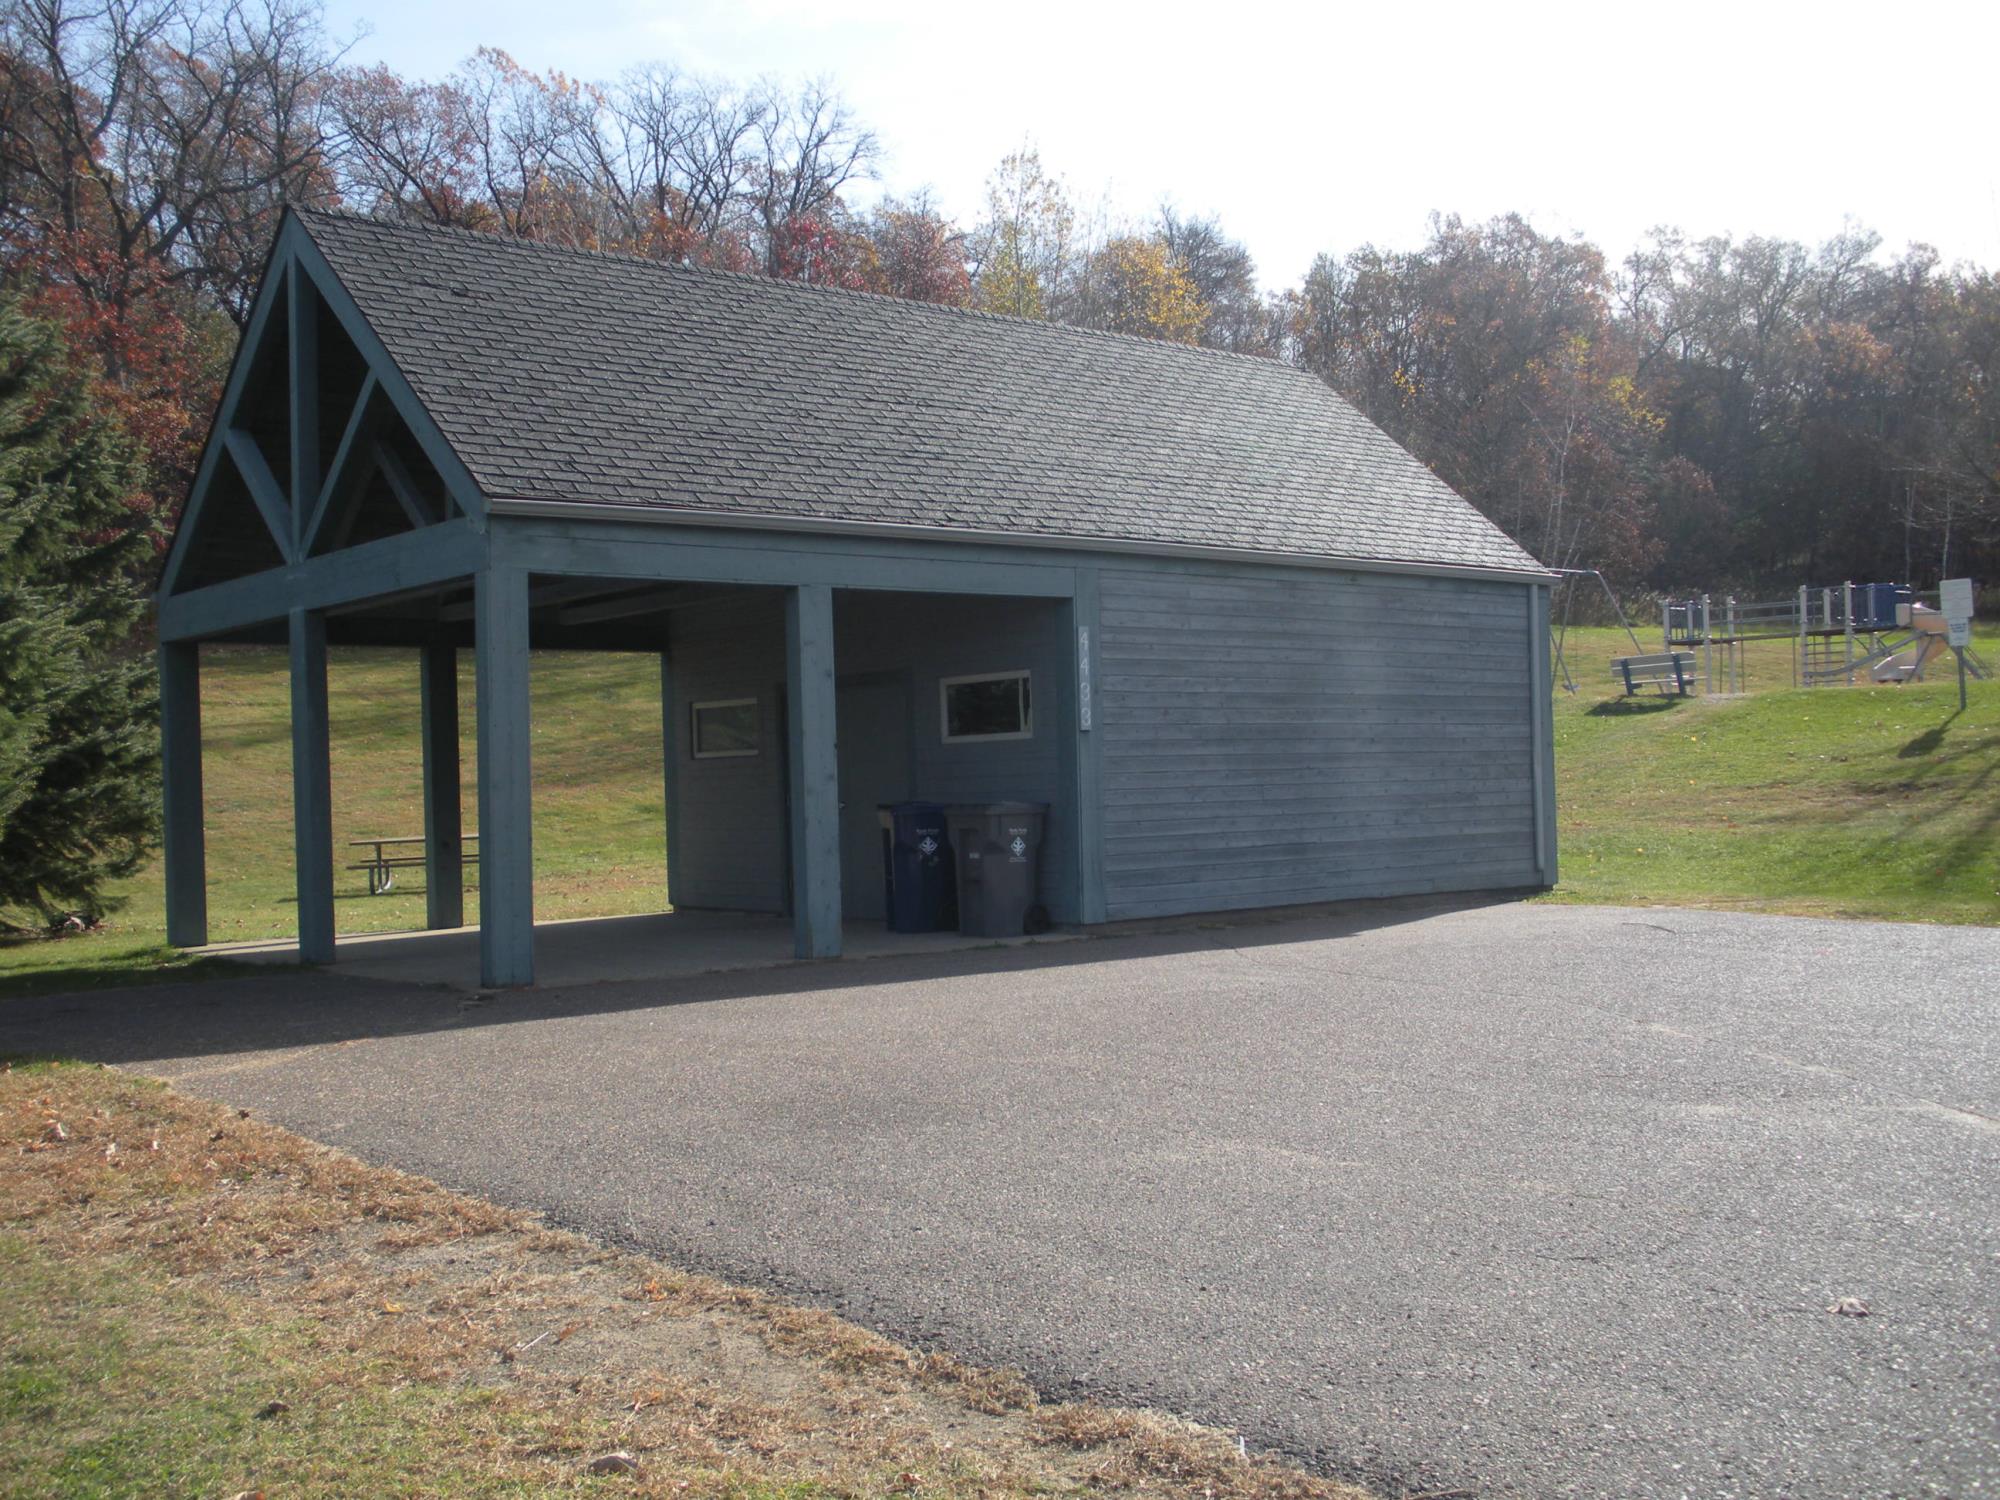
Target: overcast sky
pixel 1320 127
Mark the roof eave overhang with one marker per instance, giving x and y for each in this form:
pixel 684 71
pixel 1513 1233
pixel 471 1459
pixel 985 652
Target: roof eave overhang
pixel 575 510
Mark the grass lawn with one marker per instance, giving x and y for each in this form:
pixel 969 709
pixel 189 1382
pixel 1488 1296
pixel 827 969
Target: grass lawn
pixel 1857 802
pixel 1874 802
pixel 201 1304
pixel 600 806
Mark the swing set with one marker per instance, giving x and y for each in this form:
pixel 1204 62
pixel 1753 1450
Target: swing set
pixel 1670 673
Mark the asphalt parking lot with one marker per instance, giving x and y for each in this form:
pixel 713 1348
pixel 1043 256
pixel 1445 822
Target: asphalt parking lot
pixel 1514 1200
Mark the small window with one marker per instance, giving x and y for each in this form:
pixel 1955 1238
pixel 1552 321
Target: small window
pixel 724 728
pixel 991 707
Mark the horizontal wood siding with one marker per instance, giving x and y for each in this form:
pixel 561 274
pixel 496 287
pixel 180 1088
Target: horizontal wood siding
pixel 731 841
pixel 1273 737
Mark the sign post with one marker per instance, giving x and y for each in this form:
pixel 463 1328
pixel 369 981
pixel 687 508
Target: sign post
pixel 1955 604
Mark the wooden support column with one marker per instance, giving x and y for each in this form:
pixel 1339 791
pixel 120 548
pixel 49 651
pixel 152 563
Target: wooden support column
pixel 815 771
pixel 1542 744
pixel 671 745
pixel 444 868
pixel 312 788
pixel 506 780
pixel 180 776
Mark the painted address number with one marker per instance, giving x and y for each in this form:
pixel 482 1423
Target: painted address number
pixel 1083 677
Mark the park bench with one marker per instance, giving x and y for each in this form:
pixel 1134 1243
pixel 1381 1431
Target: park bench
pixel 1670 671
pixel 389 857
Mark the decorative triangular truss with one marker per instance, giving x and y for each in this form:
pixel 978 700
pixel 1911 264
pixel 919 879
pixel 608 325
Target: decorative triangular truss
pixel 318 444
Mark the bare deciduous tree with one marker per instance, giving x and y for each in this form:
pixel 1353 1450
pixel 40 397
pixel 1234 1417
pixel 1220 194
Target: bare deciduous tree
pixel 160 133
pixel 1225 278
pixel 811 148
pixel 406 149
pixel 685 157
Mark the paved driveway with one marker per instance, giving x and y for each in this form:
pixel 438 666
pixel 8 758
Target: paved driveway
pixel 1520 1200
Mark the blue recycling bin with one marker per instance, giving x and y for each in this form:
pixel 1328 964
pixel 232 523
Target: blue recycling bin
pixel 920 882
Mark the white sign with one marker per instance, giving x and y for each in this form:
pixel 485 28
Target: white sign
pixel 1955 604
pixel 1083 677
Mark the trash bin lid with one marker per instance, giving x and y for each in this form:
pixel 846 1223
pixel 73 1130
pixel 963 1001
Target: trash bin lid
pixel 997 809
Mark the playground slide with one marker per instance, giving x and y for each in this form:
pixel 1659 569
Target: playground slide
pixel 1908 664
pixel 1916 652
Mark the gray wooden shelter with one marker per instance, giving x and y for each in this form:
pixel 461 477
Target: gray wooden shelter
pixel 1250 651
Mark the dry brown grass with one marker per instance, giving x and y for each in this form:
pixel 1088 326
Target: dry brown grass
pixel 507 1356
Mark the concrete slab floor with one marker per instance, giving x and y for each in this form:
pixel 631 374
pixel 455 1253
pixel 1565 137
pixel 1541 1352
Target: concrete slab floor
pixel 652 945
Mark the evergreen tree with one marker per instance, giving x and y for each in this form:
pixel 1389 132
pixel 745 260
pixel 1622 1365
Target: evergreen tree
pixel 79 704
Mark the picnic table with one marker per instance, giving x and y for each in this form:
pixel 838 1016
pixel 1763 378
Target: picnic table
pixel 388 857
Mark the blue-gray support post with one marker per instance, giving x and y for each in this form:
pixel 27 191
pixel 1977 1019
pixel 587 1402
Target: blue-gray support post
pixel 815 771
pixel 1544 740
pixel 312 788
pixel 506 782
pixel 180 776
pixel 670 744
pixel 1089 750
pixel 444 839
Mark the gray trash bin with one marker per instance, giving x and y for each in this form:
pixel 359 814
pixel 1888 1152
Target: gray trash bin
pixel 999 848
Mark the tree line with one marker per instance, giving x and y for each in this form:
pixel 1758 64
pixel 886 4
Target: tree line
pixel 1716 413
pixel 1700 414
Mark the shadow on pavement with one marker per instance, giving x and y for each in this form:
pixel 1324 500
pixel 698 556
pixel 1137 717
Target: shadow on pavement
pixel 281 1008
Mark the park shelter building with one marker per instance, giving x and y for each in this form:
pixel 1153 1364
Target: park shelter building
pixel 1249 651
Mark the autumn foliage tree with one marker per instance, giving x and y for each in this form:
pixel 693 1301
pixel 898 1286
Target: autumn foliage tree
pixel 919 254
pixel 1838 404
pixel 1703 413
pixel 146 149
pixel 410 150
pixel 1023 249
pixel 1131 284
pixel 1491 353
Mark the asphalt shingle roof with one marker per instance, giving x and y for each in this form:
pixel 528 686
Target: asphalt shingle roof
pixel 564 375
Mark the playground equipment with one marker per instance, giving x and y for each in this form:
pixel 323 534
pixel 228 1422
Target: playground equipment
pixel 1646 676
pixel 1926 642
pixel 1868 632
pixel 1670 673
